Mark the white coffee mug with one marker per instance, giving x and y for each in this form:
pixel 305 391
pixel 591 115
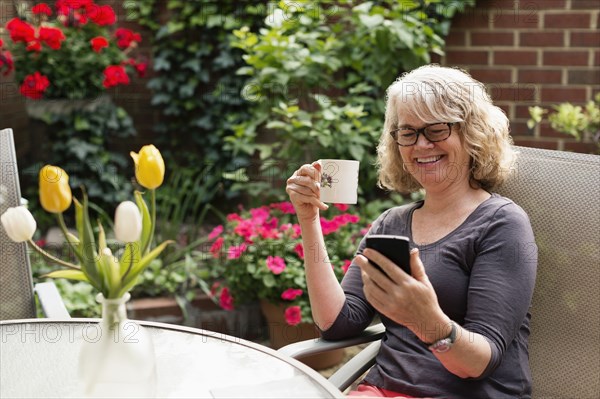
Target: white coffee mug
pixel 339 181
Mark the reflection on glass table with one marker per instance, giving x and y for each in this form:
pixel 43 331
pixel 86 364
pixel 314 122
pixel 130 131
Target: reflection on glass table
pixel 39 358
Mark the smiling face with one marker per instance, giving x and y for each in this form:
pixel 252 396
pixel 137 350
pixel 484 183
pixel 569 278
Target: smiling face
pixel 437 165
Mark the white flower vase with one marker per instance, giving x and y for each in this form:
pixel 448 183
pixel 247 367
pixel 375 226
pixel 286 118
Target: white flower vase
pixel 119 361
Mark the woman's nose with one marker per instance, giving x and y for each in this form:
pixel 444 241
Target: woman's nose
pixel 423 142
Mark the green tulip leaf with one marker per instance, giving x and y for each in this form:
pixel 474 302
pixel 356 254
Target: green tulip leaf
pixel 131 256
pixel 89 265
pixel 101 237
pixel 146 222
pixel 131 278
pixel 68 274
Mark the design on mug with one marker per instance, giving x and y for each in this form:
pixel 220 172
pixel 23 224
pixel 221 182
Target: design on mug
pixel 326 180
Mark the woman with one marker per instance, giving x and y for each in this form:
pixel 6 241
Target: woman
pixel 458 325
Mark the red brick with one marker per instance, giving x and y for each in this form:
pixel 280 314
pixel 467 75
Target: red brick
pixel 597 58
pixel 515 58
pixel 492 75
pixel 559 95
pixel 492 39
pixel 467 57
pixel 584 5
pixel 520 129
pixel 456 38
pixel 584 148
pixel 543 4
pixel 496 4
pixel 567 20
pixel 585 39
pixel 566 58
pixel 541 39
pixel 547 131
pixel 522 112
pixel 515 92
pixel 529 19
pixel 540 76
pixel 586 77
pixel 471 18
pixel 544 144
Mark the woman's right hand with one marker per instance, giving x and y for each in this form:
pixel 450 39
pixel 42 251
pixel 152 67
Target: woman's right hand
pixel 304 189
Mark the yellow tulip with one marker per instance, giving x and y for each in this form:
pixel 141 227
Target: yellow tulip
pixel 55 193
pixel 149 167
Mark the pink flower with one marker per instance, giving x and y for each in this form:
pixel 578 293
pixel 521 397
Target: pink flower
pixel 293 316
pixel 342 207
pixel 299 249
pixel 276 264
pixel 216 247
pixel 98 43
pixel 215 232
pixel 42 8
pixel 245 228
pixel 285 207
pixel 346 265
pixel 259 215
pixel 225 299
pixel 297 230
pixel 291 293
pixel 233 216
pixel 235 251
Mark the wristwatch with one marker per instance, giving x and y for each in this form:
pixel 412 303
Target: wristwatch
pixel 444 344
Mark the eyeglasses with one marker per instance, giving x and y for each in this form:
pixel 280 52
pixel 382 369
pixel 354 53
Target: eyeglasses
pixel 407 136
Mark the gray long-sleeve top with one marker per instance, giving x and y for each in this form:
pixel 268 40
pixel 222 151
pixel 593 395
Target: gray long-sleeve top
pixel 483 273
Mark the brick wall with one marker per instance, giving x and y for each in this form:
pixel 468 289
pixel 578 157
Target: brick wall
pixel 531 52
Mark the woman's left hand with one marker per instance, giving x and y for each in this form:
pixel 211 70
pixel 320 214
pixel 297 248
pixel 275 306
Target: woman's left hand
pixel 409 300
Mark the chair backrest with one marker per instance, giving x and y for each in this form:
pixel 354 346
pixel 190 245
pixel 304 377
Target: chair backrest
pixel 16 288
pixel 561 193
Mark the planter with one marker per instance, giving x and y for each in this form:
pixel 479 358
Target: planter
pixel 281 334
pixel 245 322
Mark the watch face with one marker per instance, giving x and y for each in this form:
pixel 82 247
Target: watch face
pixel 442 345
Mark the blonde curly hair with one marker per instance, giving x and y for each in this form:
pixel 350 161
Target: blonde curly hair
pixel 439 94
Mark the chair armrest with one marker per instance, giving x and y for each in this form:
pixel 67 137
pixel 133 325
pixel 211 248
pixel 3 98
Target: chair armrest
pixel 314 346
pixel 52 304
pixel 355 367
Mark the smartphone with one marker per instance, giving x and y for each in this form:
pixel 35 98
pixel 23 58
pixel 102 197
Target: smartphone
pixel 395 248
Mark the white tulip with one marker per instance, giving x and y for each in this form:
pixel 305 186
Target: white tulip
pixel 128 222
pixel 18 223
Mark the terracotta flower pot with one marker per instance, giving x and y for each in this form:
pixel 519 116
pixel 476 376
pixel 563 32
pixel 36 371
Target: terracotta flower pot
pixel 281 334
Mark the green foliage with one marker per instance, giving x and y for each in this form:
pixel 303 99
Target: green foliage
pixel 196 85
pixel 318 72
pixel 579 122
pixel 79 141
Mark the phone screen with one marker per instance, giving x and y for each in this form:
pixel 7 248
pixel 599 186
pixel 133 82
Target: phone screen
pixel 395 248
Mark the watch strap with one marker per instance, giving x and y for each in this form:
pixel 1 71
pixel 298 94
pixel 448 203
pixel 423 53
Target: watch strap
pixel 444 344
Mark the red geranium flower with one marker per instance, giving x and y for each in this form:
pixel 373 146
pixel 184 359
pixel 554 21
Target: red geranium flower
pixel 34 86
pixel 42 8
pixel 101 15
pixel 52 37
pixel 276 264
pixel 141 69
pixel 115 75
pixel 20 31
pixel 98 43
pixel 126 37
pixel 293 316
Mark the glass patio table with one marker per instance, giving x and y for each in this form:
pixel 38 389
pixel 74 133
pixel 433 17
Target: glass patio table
pixel 39 358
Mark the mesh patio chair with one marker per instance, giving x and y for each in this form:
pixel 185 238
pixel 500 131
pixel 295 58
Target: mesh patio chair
pixel 17 299
pixel 561 193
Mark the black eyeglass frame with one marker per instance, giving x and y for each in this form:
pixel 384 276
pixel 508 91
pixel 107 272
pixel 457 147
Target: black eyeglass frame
pixel 394 133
